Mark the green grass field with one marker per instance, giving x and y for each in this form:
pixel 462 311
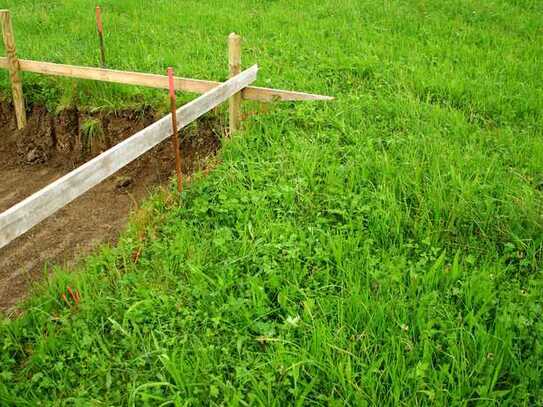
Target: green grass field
pixel 382 249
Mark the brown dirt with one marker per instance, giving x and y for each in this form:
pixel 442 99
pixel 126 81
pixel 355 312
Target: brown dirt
pixel 51 146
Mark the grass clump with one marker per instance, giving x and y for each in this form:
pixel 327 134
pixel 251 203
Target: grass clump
pixel 382 249
pixel 92 134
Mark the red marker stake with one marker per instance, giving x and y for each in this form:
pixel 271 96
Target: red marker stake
pixel 100 29
pixel 175 139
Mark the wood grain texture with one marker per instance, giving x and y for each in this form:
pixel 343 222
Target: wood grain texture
pixel 234 66
pixel 21 217
pixel 14 69
pixel 157 81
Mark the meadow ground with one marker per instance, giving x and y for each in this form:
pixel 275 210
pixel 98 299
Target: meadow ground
pixel 382 249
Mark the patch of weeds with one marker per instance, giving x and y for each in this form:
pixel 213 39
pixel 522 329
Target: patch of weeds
pixel 92 135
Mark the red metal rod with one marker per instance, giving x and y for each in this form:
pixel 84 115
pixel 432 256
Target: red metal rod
pixel 100 28
pixel 175 138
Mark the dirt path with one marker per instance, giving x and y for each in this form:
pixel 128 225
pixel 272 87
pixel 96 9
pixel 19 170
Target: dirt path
pixel 31 160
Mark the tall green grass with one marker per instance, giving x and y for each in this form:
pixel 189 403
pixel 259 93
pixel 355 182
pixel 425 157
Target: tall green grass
pixel 382 249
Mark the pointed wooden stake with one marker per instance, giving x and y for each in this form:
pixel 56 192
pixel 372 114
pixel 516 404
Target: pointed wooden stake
pixel 234 63
pixel 14 68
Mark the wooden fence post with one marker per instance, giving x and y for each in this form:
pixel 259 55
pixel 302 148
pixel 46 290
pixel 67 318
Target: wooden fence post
pixel 14 68
pixel 234 63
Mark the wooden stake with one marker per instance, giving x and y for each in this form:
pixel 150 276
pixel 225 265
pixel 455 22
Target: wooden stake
pixel 234 64
pixel 175 137
pixel 100 28
pixel 14 69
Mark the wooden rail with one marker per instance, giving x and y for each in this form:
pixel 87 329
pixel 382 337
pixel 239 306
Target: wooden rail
pixel 156 81
pixel 21 217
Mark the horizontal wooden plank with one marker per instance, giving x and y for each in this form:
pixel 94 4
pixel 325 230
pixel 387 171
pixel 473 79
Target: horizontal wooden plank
pixel 156 81
pixel 21 217
pixel 271 95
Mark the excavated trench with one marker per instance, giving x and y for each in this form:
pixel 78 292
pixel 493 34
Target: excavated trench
pixel 51 146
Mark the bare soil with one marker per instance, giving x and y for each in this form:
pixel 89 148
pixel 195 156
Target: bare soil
pixel 51 146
